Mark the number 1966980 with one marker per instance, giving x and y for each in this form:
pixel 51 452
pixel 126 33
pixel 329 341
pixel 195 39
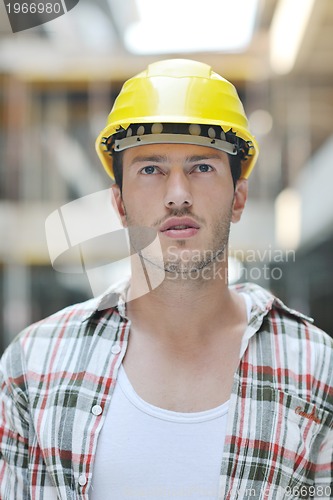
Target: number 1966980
pixel 34 8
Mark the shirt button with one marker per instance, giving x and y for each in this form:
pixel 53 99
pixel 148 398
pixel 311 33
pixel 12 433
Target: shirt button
pixel 115 349
pixel 96 410
pixel 82 480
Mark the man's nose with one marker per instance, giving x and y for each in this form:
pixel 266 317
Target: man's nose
pixel 178 193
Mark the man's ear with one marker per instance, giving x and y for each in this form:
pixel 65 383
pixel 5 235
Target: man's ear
pixel 240 197
pixel 118 204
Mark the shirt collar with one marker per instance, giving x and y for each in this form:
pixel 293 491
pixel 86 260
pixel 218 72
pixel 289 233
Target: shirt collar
pixel 114 297
pixel 262 300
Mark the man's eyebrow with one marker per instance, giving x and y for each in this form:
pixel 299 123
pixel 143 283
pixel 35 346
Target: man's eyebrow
pixel 195 158
pixel 152 158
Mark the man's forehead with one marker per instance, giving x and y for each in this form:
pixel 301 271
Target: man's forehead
pixel 171 152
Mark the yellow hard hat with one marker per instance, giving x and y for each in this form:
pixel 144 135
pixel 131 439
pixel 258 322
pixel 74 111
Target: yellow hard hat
pixel 177 91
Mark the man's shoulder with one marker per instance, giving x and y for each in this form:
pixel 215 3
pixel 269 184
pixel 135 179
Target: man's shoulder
pixel 298 355
pixel 63 320
pixel 283 319
pixel 58 338
pixel 74 321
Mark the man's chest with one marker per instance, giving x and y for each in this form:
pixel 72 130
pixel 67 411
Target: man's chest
pixel 183 382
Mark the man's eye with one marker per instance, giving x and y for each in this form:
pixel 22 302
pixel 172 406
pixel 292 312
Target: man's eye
pixel 203 167
pixel 149 170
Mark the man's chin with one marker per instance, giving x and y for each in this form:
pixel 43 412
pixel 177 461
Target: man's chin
pixel 174 266
pixel 187 267
pixel 185 262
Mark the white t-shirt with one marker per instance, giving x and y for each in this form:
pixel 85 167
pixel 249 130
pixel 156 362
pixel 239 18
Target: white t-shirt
pixel 145 452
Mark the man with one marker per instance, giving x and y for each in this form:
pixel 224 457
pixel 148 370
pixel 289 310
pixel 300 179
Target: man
pixel 195 389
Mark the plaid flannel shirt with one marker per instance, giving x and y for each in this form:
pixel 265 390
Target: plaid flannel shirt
pixel 58 376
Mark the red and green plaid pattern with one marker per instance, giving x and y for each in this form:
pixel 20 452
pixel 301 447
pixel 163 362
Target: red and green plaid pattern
pixel 280 425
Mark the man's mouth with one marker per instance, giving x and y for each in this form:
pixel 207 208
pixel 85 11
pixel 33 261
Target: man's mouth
pixel 180 227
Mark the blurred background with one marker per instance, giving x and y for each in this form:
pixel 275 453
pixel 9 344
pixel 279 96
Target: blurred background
pixel 59 81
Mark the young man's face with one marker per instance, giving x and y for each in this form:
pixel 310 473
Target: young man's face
pixel 186 194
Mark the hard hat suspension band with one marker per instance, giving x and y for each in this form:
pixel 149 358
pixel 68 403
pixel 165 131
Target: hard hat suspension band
pixel 130 142
pixel 177 133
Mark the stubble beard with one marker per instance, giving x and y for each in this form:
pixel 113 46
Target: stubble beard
pixel 196 264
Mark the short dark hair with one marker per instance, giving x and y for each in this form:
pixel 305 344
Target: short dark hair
pixel 117 158
pixel 235 162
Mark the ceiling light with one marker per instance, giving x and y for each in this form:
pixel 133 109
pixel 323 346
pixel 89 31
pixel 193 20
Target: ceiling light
pixel 288 211
pixel 191 26
pixel 289 24
pixel 261 122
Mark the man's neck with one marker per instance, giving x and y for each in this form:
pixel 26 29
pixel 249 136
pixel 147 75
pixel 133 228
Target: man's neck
pixel 184 309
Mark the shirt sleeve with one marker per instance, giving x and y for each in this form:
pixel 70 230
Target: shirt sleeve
pixel 323 468
pixel 14 430
pixel 323 482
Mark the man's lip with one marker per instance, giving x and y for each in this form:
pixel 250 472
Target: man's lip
pixel 178 221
